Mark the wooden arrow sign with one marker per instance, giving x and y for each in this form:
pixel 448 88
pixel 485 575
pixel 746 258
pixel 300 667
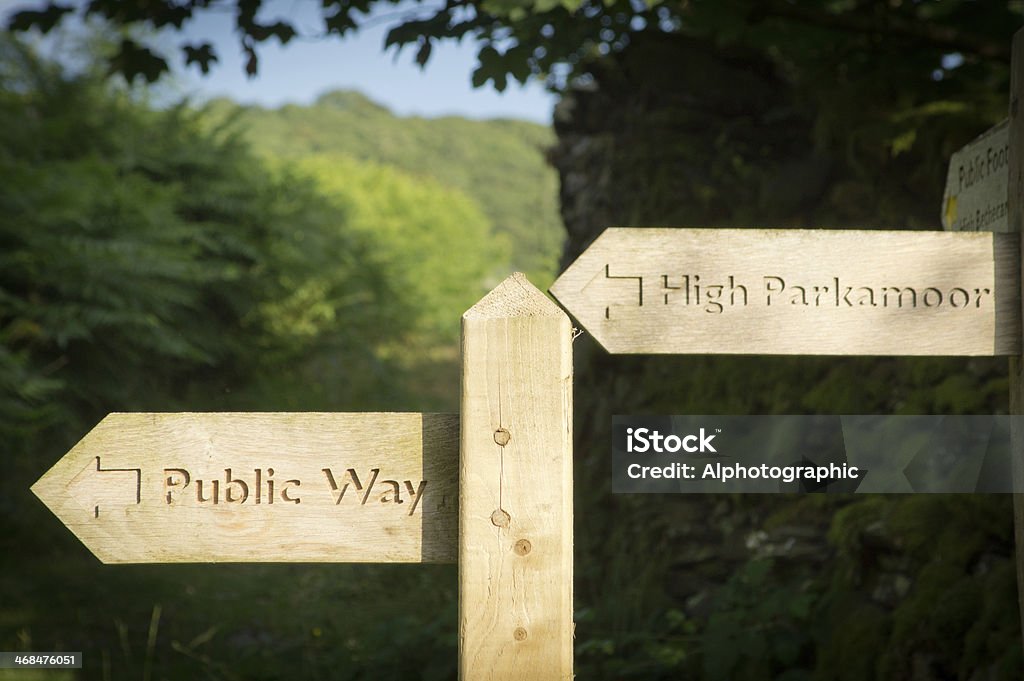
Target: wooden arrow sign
pixel 797 292
pixel 262 487
pixel 975 199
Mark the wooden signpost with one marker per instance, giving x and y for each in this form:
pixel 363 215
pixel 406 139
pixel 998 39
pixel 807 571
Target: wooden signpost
pixel 797 292
pixel 383 487
pixel 975 199
pixel 262 488
pixel 373 487
pixel 515 488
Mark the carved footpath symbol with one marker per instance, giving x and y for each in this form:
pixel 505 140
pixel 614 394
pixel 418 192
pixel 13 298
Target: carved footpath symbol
pixel 614 291
pixel 110 487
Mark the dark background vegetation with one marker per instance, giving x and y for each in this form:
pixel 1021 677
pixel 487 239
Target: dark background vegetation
pixel 230 258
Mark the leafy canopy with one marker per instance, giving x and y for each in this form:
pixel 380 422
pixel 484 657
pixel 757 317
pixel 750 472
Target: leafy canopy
pixel 415 226
pixel 520 39
pixel 499 164
pixel 149 260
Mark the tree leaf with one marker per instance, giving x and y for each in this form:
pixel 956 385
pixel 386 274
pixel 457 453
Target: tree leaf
pixel 43 20
pixel 423 54
pixel 252 62
pixel 202 55
pixel 133 60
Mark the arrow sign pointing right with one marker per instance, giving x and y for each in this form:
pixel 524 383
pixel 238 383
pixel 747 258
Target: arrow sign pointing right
pixel 262 487
pixel 797 292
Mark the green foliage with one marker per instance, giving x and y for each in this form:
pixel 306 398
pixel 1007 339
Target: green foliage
pixel 151 260
pixel 143 256
pixel 954 618
pixel 850 627
pixel 497 164
pixel 761 629
pixel 528 38
pixel 415 227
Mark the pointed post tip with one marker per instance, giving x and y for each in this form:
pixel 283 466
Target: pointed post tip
pixel 514 297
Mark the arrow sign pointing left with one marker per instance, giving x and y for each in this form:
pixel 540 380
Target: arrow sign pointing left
pixel 262 487
pixel 797 292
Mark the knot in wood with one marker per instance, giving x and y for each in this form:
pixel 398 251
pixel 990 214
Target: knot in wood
pixel 500 518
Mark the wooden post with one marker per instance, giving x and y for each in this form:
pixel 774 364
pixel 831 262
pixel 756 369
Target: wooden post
pixel 1015 220
pixel 515 488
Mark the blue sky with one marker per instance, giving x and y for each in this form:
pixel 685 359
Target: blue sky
pixel 303 69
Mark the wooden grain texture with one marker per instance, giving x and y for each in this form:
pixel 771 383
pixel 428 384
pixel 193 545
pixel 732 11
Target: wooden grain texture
pixel 1015 204
pixel 797 292
pixel 176 488
pixel 515 494
pixel 975 198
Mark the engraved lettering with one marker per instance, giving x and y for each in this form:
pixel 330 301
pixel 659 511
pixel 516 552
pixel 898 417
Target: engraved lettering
pixel 235 489
pixel 392 492
pixel 214 495
pixel 936 297
pixel 773 285
pixel 286 488
pixel 418 494
pixel 734 289
pixel 867 297
pixel 693 290
pixel 234 483
pixel 713 293
pixel 369 486
pixel 353 479
pixel 712 298
pixel 175 479
pixel 339 492
pixel 898 292
pixel 334 486
pixel 396 489
pixel 964 300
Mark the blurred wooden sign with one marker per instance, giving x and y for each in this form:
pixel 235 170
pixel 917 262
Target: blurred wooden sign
pixel 975 199
pixel 262 487
pixel 797 292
